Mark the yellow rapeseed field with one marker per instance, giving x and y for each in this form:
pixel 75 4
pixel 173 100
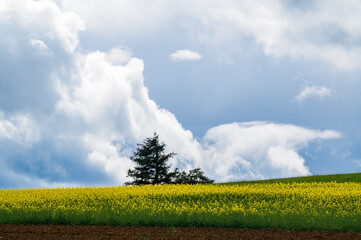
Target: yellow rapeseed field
pixel 328 206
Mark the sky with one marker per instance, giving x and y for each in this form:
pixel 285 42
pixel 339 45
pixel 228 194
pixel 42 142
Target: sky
pixel 242 89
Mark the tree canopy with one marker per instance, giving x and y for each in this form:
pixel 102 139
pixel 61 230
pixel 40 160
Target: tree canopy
pixel 195 176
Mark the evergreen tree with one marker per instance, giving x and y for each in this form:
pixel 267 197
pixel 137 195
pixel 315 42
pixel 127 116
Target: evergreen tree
pixel 151 163
pixel 151 166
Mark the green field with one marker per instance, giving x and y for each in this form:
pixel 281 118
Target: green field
pixel 339 178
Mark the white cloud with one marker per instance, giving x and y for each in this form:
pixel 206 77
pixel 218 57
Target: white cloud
pixel 40 45
pixel 258 150
pixel 105 155
pixel 185 55
pixel 323 30
pixel 37 46
pixel 63 26
pixel 132 18
pixel 288 161
pixel 19 128
pixel 313 91
pixel 38 38
pixel 118 56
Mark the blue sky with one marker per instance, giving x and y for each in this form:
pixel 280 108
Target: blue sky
pixel 243 89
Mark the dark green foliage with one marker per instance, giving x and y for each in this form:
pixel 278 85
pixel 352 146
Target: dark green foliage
pixel 151 163
pixel 193 177
pixel 151 166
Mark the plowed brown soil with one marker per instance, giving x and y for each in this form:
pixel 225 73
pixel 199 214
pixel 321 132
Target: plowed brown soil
pixel 53 232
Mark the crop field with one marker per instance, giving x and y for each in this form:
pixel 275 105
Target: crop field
pixel 302 206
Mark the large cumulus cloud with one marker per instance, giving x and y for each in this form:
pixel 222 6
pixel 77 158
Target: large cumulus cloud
pixel 255 150
pixel 74 118
pixel 37 43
